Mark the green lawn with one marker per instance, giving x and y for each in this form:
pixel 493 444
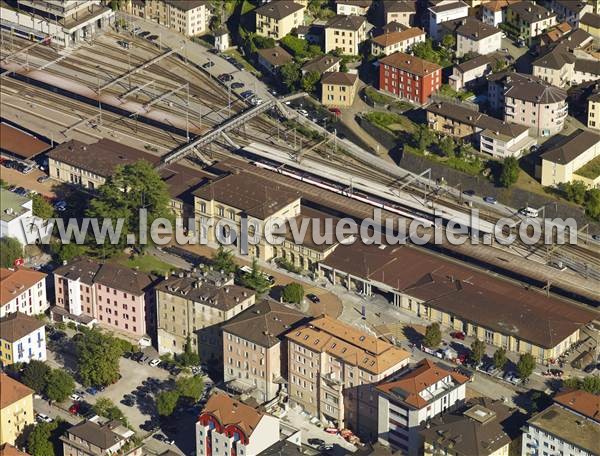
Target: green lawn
pixel 146 263
pixel 390 121
pixel 591 169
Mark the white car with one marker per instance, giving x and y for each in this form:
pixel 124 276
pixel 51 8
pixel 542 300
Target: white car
pixel 303 112
pixel 154 362
pixel 40 417
pixel 75 397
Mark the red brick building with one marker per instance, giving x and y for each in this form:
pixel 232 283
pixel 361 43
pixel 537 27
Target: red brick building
pixel 409 77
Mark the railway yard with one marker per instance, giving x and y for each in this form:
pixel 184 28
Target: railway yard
pixel 161 99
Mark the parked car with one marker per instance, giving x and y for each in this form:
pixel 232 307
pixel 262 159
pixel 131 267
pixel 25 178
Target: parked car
pixel 154 362
pixel 74 409
pixel 208 64
pixel 21 191
pixel 237 85
pixel 469 192
pixel 336 111
pixel 60 206
pixel 224 77
pixel 313 297
pixel 75 397
pixel 490 200
pixel 42 179
pixel 590 368
pixel 144 34
pixel 42 418
pixel 152 37
pixel 458 335
pixel 124 44
pixel 303 112
pixel 247 94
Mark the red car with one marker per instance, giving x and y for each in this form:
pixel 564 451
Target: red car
pixel 336 111
pixel 458 335
pixel 74 409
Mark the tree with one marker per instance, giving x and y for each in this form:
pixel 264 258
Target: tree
pixel 310 80
pixel 525 365
pixel 34 375
pixel 433 336
pixel 500 358
pixel 98 358
pixel 191 387
pixel 41 208
pixel 290 75
pixel 575 191
pixel 262 42
pixel 592 203
pixel 477 351
pixel 591 383
pixel 166 402
pixel 447 146
pixel 448 41
pixel 66 252
pixel 424 50
pixel 59 385
pixel 10 250
pixel 293 293
pixel 39 442
pixel 423 137
pixel 223 260
pixel 107 408
pixel 343 66
pixel 510 172
pixel 255 279
pixel 189 357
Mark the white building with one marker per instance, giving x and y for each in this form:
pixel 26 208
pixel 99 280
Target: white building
pixel 571 11
pixel 67 22
pixel 22 290
pixel 513 141
pixel 227 426
pixel 353 7
pixel 418 394
pixel 444 11
pixel 22 338
pixel 17 219
pixel 222 39
pixel 476 37
pixel 389 43
pixel 494 12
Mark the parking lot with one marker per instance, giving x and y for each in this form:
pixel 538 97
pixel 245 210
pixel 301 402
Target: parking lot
pixel 29 181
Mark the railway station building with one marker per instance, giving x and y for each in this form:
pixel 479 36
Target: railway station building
pixel 499 312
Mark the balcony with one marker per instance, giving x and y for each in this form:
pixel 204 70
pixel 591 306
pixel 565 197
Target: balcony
pixel 333 381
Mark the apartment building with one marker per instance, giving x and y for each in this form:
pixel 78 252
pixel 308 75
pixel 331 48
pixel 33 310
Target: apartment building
pixel 17 219
pixel 417 394
pixel 445 11
pixel 590 22
pixel 389 43
pixel 243 203
pixel 191 307
pixel 528 100
pixel 473 72
pixel 22 338
pixel 352 7
pixel 322 64
pixel 593 112
pixel 494 11
pixel 562 68
pixel 111 295
pixel 278 19
pixel 579 401
pixel 99 437
pixel 474 36
pixel 482 427
pixel 338 89
pixel 526 20
pixel 571 11
pixel 22 290
pixel 16 409
pixel 229 427
pixel 572 160
pixel 333 370
pixel 188 17
pixel 345 33
pixel 255 349
pixel 409 77
pixel 399 11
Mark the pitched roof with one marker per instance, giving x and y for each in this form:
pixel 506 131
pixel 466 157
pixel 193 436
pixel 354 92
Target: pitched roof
pixel 591 19
pixel 321 63
pixel 389 39
pixel 572 147
pixel 410 63
pixel 482 60
pixel 276 56
pixel 12 391
pixel 232 412
pixel 361 3
pixel 13 282
pixel 498 5
pixel 556 58
pixel 265 323
pixel 572 5
pixel 186 5
pixel 102 436
pixel 530 88
pixel 8 450
pixel 587 66
pixel 580 401
pixel 327 335
pixel 339 78
pixel 443 7
pixel 399 6
pixel 409 386
pixel 346 22
pixel 278 10
pixel 530 12
pixel 474 29
pixel 17 325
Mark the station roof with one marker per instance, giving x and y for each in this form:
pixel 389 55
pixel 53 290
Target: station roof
pixel 19 143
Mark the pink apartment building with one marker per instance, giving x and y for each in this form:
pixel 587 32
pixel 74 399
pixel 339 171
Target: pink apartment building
pixel 107 294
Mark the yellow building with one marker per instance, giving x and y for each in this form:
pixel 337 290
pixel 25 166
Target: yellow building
pixel 22 338
pixel 593 116
pixel 16 409
pixel 278 19
pixel 345 33
pixel 590 22
pixel 338 89
pixel 188 17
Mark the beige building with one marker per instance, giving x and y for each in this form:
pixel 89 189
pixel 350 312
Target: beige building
pixel 590 23
pixel 400 11
pixel 388 43
pixel 576 159
pixel 278 19
pixel 255 349
pixel 527 19
pixel 16 409
pixel 100 437
pixel 474 36
pixel 593 112
pixel 345 33
pixel 192 306
pixel 353 7
pixel 188 17
pixel 562 68
pixel 338 89
pixel 333 369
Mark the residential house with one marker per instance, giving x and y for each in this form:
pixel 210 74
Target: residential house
pixel 482 427
pixel 444 11
pixel 345 33
pixel 590 22
pixel 228 426
pixel 17 220
pixel 352 7
pixel 333 370
pixel 530 321
pixel 388 43
pixel 526 20
pixel 574 159
pixel 338 89
pixel 188 17
pixel 560 67
pixel 22 338
pixel 255 357
pixel 190 306
pixel 472 73
pixel 9 450
pixel 22 290
pixel 417 394
pixel 494 11
pixel 16 409
pixel 271 59
pixel 322 64
pixel 557 430
pixel 100 437
pixel 111 295
pixel 571 11
pixel 593 112
pixel 278 19
pixel 399 11
pixel 553 35
pixel 409 77
pixel 528 100
pixel 474 36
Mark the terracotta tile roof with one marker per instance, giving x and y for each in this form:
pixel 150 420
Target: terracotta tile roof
pixel 276 56
pixel 17 325
pixel 8 450
pixel 12 391
pixel 580 401
pixel 231 412
pixel 339 78
pixel 498 5
pixel 279 9
pixel 408 387
pixel 325 334
pixel 388 39
pixel 14 282
pixel 410 63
